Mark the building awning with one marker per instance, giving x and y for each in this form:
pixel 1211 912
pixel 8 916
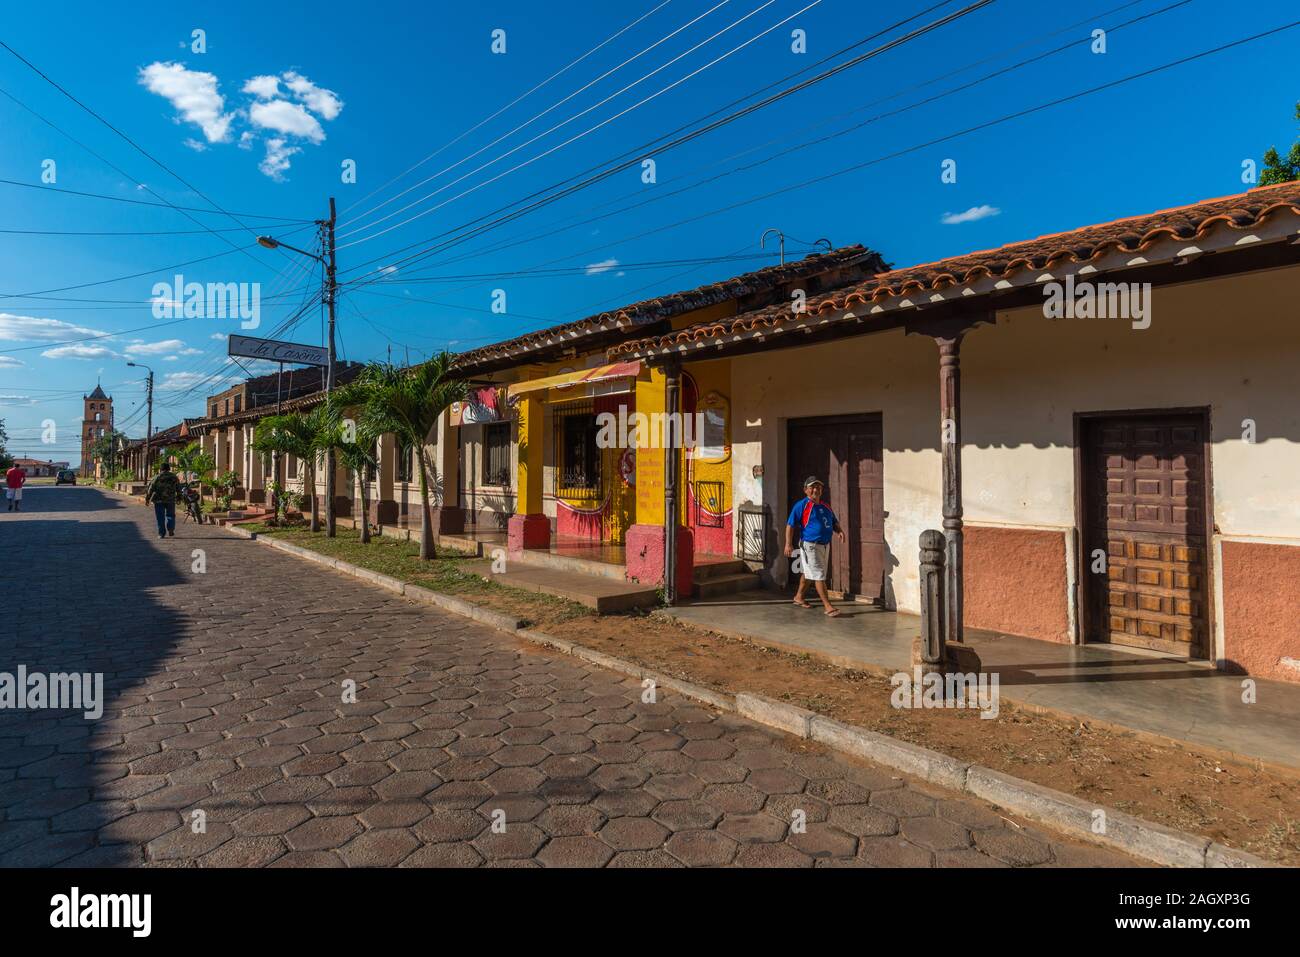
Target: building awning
pixel 618 370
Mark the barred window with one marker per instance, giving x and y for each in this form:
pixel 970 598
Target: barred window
pixel 579 456
pixel 291 469
pixel 496 454
pixel 405 458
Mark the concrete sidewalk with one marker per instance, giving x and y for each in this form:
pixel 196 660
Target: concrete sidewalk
pixel 1171 697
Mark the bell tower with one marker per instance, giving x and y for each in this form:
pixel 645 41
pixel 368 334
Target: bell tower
pixel 96 420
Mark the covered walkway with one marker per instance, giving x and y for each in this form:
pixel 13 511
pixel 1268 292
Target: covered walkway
pixel 1171 697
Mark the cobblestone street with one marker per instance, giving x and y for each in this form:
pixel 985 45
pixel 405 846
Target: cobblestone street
pixel 224 694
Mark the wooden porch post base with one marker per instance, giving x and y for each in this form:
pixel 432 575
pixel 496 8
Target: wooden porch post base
pixel 450 520
pixel 528 531
pixel 383 512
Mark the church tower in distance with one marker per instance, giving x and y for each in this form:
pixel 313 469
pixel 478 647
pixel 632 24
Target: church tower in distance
pixel 96 420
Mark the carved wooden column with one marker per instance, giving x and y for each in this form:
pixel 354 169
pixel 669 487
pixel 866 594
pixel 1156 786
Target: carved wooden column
pixel 929 651
pixel 950 445
pixel 947 332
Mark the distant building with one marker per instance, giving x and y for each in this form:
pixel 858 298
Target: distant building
pixel 96 420
pixel 36 468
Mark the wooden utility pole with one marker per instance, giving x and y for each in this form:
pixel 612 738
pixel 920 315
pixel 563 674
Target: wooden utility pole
pixel 331 294
pixel 148 428
pixel 672 440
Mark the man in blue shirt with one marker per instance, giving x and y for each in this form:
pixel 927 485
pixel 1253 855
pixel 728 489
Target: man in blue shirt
pixel 815 523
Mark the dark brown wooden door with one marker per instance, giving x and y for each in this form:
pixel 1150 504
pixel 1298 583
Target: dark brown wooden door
pixel 846 453
pixel 1144 506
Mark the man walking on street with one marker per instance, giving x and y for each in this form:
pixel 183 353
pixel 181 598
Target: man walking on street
pixel 815 523
pixel 14 479
pixel 162 492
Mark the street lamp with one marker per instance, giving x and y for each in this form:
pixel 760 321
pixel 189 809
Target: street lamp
pixel 270 242
pixel 148 429
pixel 331 295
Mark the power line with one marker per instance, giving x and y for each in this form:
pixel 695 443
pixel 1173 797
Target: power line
pixel 138 148
pixel 467 232
pixel 981 126
pixel 581 113
pixel 128 232
pixel 143 202
pixel 553 106
pixel 969 130
pixel 661 196
pixel 503 109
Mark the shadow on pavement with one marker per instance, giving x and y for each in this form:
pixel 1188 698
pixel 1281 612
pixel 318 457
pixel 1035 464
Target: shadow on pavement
pixel 80 598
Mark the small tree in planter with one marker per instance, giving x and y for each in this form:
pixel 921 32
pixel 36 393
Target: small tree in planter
pixel 407 403
pixel 354 440
pixel 225 485
pixel 301 435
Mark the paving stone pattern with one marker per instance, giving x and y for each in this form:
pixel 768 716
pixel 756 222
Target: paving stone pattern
pixel 224 693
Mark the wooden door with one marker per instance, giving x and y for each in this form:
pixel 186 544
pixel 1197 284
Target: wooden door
pixel 845 452
pixel 1144 487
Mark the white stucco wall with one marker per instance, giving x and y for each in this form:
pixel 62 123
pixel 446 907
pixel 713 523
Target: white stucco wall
pixel 1229 344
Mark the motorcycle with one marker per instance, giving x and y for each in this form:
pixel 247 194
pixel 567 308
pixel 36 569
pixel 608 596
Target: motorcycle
pixel 193 503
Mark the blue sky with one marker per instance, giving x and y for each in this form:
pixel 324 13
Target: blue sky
pixel 286 93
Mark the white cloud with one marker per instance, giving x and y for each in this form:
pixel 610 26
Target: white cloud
pixel 140 348
pixel 219 336
pixel 9 362
pixel 193 93
pixel 971 215
pixel 277 156
pixel 318 99
pixel 605 265
pixel 175 381
pixel 17 400
pixel 285 110
pixel 263 87
pixel 32 329
pixel 389 270
pixel 78 351
pixel 281 116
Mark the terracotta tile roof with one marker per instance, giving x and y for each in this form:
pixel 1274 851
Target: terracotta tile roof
pixel 1135 234
pixel 343 374
pixel 856 260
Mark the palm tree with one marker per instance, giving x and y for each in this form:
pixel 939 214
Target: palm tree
pixel 355 441
pixel 407 403
pixel 191 460
pixel 302 435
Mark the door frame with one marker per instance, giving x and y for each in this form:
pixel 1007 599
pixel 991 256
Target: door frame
pixel 1081 422
pixel 844 418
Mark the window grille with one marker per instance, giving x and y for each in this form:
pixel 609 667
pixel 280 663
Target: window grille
pixel 577 472
pixel 496 454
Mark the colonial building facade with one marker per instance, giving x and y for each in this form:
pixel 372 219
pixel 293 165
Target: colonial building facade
pixel 1102 422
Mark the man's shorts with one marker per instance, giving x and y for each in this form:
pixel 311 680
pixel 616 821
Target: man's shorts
pixel 14 494
pixel 814 557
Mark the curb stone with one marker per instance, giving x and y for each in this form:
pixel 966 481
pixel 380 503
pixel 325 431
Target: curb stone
pixel 606 661
pixel 459 606
pixel 717 699
pixel 1219 856
pixel 928 765
pixel 776 714
pixel 1069 815
pixel 1073 815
